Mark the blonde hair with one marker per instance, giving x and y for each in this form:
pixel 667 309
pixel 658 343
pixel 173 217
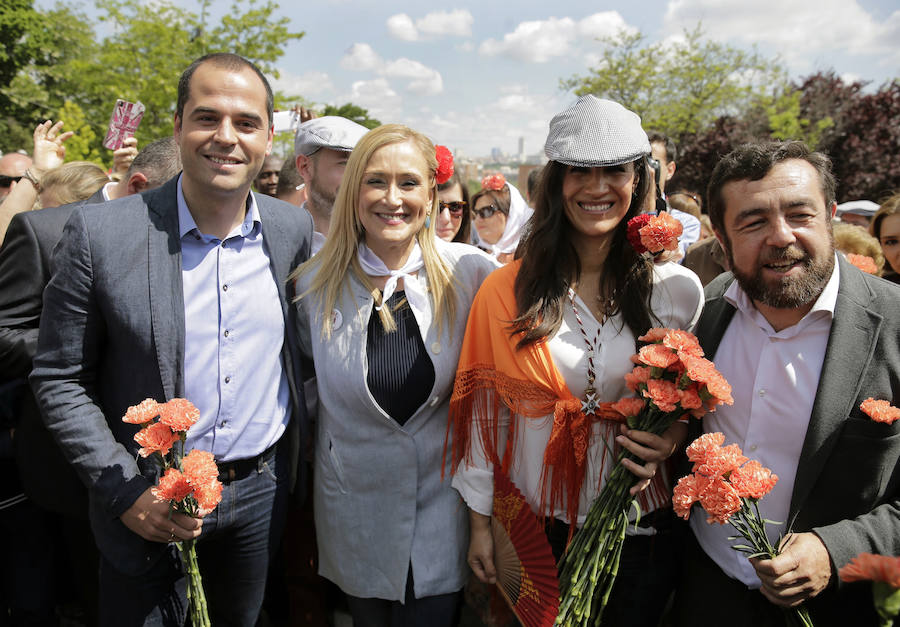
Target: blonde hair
pixel 74 181
pixel 852 238
pixel 338 255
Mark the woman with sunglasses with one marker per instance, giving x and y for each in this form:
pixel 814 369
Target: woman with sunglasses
pixel 453 223
pixel 499 214
pixel 550 337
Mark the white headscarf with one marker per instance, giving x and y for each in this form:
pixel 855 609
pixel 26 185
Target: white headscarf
pixel 519 213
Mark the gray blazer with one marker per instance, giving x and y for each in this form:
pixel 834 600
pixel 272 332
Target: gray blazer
pixel 380 501
pixel 112 334
pixel 847 488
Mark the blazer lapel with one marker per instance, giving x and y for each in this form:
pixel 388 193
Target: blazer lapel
pixel 851 343
pixel 166 291
pixel 279 248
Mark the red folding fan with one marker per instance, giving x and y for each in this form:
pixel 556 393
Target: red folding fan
pixel 526 570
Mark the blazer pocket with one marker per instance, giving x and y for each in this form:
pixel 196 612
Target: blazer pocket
pixel 337 468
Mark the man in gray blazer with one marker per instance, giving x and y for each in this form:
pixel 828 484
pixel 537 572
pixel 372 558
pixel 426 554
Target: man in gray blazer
pixel 182 292
pixel 803 337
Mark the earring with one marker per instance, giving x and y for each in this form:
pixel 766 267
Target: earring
pixel 427 221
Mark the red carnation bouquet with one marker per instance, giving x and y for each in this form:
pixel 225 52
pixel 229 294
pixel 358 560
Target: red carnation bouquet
pixel 729 486
pixel 189 482
pixel 884 573
pixel 880 411
pixel 672 379
pixel 651 235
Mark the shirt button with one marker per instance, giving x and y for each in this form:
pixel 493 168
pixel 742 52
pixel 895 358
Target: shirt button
pixel 225 288
pixel 226 332
pixel 228 379
pixel 436 348
pixel 223 244
pixel 762 392
pixel 753 447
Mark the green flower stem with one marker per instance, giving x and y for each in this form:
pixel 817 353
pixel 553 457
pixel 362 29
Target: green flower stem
pixel 196 597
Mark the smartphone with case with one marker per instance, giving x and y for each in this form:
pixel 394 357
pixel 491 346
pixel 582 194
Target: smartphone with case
pixel 124 122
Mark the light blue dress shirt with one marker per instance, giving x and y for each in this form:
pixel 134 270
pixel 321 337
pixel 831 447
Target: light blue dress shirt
pixel 234 332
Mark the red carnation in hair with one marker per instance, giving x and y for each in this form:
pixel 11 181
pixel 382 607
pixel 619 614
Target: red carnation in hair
pixel 493 182
pixel 634 235
pixel 444 164
pixel 863 262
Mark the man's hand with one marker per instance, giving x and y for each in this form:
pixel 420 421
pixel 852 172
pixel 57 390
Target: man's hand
pixel 800 572
pixel 653 449
pixel 151 519
pixel 49 151
pixel 481 548
pixel 123 157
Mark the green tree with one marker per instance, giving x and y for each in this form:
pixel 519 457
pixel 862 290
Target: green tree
pixel 682 87
pixel 82 146
pixel 148 46
pixel 352 112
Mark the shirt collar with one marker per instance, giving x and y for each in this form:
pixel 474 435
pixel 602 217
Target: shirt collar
pixel 186 224
pixel 825 303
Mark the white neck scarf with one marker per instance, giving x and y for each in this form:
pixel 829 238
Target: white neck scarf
pixel 415 290
pixel 519 213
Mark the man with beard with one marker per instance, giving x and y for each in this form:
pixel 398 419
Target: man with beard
pixel 803 337
pixel 322 146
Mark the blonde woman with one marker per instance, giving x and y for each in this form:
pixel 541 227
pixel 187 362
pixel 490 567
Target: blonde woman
pixel 382 311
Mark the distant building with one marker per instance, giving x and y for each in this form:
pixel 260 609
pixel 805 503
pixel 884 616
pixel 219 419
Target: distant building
pixel 521 152
pixel 496 154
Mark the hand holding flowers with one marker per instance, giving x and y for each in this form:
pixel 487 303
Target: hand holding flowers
pixel 188 489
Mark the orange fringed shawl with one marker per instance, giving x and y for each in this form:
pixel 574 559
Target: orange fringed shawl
pixel 492 374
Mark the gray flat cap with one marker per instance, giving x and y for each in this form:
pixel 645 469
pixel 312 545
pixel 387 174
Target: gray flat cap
pixel 330 131
pixel 595 132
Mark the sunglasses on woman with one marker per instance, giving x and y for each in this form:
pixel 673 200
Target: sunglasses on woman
pixel 455 208
pixel 485 212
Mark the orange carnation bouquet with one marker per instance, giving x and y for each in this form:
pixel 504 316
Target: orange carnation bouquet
pixel 729 486
pixel 672 379
pixel 884 573
pixel 189 482
pixel 651 235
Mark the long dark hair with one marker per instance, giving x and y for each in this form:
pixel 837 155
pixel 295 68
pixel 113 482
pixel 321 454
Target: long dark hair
pixel 550 263
pixel 464 234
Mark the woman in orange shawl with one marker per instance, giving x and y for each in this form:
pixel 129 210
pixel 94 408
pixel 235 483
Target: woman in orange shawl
pixel 547 346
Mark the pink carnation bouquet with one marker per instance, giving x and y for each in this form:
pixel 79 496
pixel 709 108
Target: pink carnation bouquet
pixel 672 380
pixel 729 486
pixel 189 482
pixel 652 235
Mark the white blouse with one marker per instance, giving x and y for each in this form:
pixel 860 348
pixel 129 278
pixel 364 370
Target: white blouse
pixel 677 301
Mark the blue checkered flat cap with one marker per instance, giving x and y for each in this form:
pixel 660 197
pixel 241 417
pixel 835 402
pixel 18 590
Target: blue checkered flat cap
pixel 595 132
pixel 330 131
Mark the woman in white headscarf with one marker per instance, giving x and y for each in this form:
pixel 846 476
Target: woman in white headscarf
pixel 499 214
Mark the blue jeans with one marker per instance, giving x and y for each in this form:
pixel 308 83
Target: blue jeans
pixel 233 550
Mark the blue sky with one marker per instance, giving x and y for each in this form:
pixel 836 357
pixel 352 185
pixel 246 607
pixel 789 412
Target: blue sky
pixel 474 75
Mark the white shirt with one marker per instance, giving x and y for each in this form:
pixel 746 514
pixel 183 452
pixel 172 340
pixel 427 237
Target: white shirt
pixel 774 377
pixel 677 301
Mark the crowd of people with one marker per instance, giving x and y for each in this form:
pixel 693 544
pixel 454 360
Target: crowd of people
pixel 369 341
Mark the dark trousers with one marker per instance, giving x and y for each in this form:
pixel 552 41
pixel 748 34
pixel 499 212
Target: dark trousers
pixel 234 549
pixel 647 574
pixel 441 610
pixel 707 597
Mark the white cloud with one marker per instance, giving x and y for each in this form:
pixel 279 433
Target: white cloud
pixel 801 31
pixel 539 41
pixel 309 84
pixel 515 102
pixel 361 57
pixel 423 79
pixel 401 27
pixel 376 95
pixel 455 23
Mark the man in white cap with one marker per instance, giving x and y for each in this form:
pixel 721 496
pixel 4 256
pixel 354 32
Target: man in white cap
pixel 322 146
